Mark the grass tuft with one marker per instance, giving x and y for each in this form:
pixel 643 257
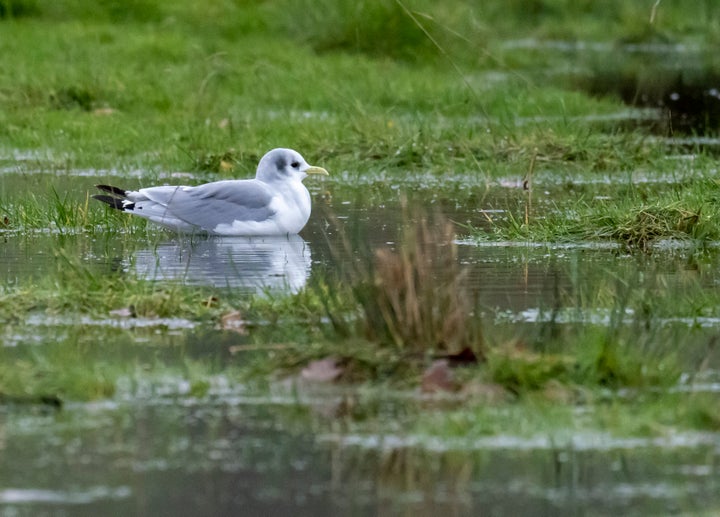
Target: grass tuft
pixel 641 227
pixel 418 298
pixel 215 162
pixel 376 28
pixel 413 298
pixel 73 97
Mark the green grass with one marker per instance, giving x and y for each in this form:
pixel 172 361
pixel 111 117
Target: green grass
pixel 106 91
pixel 636 217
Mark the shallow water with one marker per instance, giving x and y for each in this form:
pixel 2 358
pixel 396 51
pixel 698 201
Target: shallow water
pixel 220 457
pixel 157 449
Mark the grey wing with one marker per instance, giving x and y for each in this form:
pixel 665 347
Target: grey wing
pixel 221 202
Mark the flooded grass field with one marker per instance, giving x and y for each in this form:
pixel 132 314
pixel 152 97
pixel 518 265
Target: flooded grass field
pixel 505 302
pixel 174 405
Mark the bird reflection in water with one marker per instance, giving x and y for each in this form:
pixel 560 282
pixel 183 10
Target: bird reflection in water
pixel 256 264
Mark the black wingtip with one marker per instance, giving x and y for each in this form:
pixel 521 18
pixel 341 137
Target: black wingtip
pixel 116 191
pixel 114 202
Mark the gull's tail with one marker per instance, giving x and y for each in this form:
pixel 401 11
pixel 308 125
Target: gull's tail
pixel 117 199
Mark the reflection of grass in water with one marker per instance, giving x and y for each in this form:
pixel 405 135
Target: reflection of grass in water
pixel 412 470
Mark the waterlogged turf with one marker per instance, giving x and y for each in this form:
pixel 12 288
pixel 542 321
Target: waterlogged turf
pixel 533 184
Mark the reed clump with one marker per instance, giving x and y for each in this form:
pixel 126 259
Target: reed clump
pixel 415 296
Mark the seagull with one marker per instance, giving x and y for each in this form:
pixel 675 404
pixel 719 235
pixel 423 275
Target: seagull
pixel 274 203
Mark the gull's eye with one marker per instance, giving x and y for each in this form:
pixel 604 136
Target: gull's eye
pixel 295 165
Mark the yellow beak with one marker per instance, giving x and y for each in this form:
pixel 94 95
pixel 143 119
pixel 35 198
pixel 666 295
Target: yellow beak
pixel 317 170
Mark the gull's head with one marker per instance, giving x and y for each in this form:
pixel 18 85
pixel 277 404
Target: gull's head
pixel 283 165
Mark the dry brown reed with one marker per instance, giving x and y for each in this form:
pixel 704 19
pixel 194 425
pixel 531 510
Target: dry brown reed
pixel 415 296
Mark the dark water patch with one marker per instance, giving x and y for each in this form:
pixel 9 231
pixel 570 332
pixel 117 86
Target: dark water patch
pixel 678 85
pixel 684 89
